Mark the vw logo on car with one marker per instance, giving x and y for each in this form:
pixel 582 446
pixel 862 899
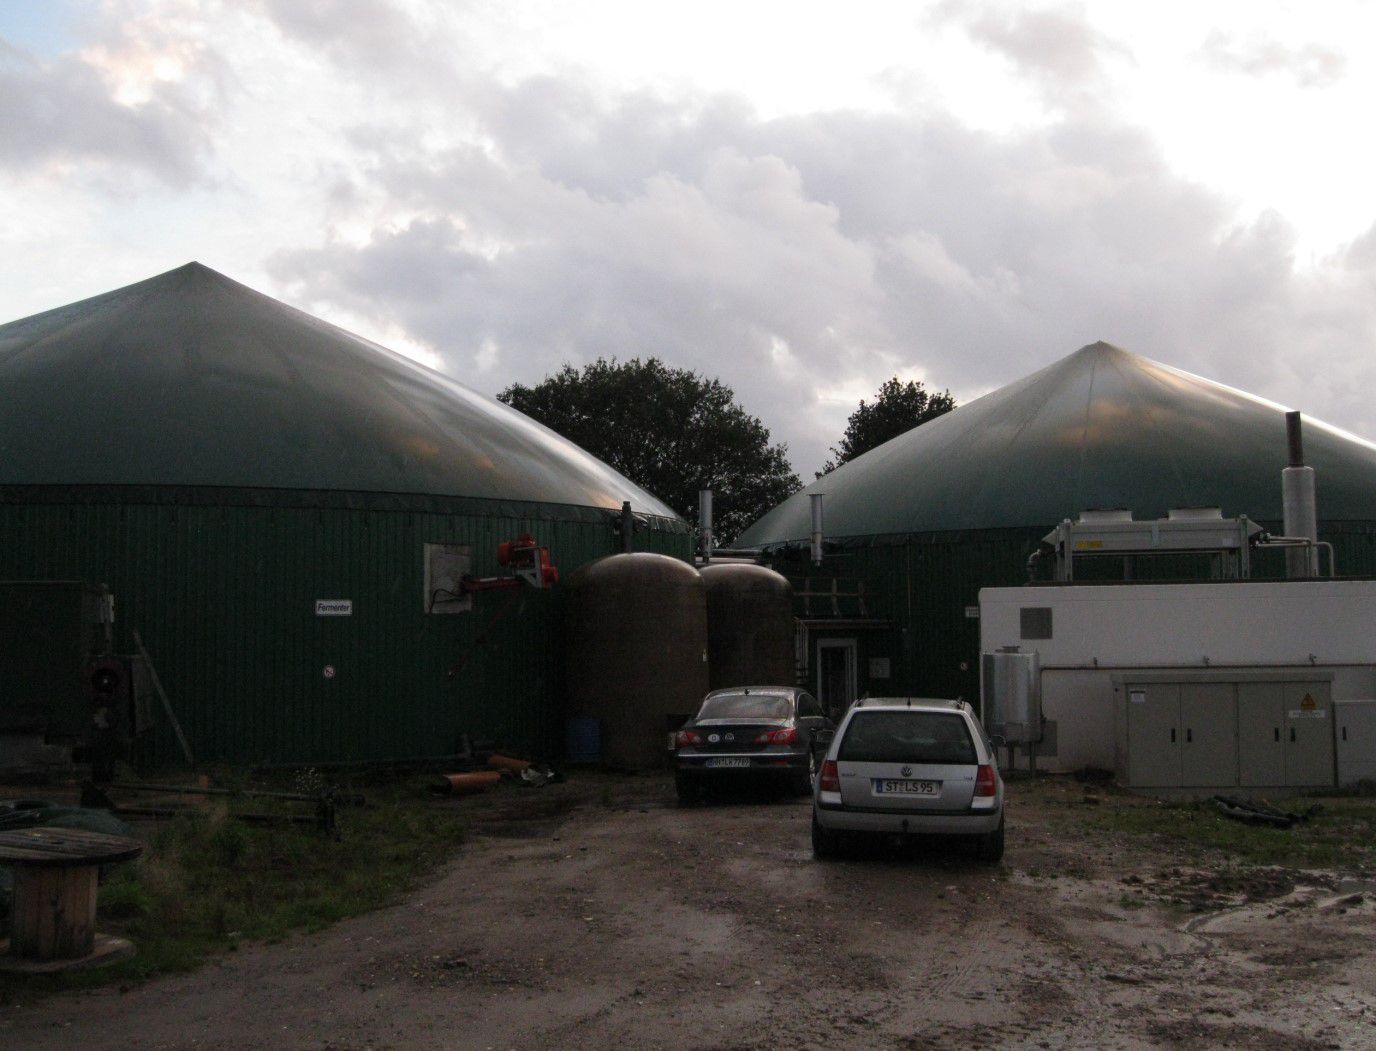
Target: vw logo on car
pixel 907 771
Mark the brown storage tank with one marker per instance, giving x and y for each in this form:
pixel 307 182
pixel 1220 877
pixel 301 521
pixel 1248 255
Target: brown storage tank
pixel 749 626
pixel 636 651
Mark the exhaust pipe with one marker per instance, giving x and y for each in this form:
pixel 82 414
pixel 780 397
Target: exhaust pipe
pixel 626 527
pixel 1299 504
pixel 817 529
pixel 705 523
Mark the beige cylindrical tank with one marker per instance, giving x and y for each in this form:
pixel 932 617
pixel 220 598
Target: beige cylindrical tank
pixel 749 626
pixel 636 651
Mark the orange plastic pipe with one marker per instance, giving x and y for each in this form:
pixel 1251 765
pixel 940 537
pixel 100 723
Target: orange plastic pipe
pixel 467 784
pixel 505 762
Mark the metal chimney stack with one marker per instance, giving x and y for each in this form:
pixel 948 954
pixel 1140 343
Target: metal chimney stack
pixel 817 529
pixel 705 523
pixel 1298 501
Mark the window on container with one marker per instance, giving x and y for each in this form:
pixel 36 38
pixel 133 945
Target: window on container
pixel 1035 622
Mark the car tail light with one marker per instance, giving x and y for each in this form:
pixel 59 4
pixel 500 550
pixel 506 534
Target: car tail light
pixel 687 739
pixel 784 736
pixel 986 784
pixel 829 780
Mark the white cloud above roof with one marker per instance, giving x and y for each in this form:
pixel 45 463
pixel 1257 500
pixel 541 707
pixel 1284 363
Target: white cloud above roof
pixel 956 193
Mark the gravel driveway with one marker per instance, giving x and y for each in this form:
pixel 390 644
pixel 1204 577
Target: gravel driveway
pixel 598 915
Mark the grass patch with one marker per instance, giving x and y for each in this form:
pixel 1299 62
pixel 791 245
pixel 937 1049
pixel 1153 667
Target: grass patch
pixel 207 881
pixel 1342 837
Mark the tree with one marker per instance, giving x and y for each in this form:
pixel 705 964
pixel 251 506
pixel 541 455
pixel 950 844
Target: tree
pixel 897 408
pixel 670 431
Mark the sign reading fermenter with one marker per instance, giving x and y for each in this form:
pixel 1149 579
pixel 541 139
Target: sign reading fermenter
pixel 334 607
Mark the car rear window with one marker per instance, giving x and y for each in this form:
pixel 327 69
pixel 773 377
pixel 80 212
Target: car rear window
pixel 908 737
pixel 746 706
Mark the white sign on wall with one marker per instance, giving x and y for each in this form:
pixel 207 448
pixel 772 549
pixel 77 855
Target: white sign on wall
pixel 334 607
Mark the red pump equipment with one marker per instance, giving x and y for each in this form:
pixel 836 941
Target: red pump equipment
pixel 528 561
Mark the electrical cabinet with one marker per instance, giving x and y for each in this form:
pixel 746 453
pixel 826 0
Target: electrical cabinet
pixel 1181 734
pixel 1219 733
pixel 1355 722
pixel 1285 734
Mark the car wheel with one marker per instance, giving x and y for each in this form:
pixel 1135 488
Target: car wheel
pixel 686 788
pixel 990 848
pixel 804 779
pixel 826 844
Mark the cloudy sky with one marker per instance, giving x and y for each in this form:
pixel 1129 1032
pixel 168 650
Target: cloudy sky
pixel 800 198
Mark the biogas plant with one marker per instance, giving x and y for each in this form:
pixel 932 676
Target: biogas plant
pixel 1128 567
pixel 231 529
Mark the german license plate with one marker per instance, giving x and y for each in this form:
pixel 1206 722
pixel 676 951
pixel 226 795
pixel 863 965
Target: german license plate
pixel 728 760
pixel 893 787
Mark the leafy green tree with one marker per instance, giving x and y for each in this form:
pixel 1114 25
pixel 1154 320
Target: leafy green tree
pixel 668 430
pixel 897 408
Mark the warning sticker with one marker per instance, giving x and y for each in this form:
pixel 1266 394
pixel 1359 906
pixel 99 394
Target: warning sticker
pixel 1137 696
pixel 1308 709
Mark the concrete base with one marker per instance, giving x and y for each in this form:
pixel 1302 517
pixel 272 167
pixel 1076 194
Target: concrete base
pixel 107 949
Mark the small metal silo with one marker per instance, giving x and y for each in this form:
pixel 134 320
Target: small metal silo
pixel 636 650
pixel 749 626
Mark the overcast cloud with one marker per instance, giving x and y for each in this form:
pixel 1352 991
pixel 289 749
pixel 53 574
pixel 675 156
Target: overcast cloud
pixel 392 168
pixel 62 115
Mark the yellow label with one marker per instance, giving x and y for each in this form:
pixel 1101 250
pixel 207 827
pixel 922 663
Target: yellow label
pixel 1308 703
pixel 1088 545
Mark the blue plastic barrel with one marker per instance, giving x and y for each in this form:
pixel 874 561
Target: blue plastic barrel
pixel 583 740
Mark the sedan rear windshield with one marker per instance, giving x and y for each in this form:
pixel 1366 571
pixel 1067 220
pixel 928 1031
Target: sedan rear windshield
pixel 746 706
pixel 908 737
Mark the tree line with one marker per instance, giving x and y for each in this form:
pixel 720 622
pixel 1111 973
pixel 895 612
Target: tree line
pixel 673 432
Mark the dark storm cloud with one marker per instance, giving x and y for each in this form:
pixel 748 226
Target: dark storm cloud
pixel 1308 65
pixel 63 110
pixel 796 256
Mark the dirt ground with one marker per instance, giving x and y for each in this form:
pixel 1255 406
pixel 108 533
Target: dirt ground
pixel 596 914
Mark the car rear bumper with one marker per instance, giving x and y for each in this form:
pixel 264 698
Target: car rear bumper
pixel 911 822
pixel 759 763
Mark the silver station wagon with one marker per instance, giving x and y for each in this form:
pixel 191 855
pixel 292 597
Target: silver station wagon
pixel 909 767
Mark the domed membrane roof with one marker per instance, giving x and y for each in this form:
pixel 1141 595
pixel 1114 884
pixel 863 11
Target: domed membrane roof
pixel 191 379
pixel 1101 428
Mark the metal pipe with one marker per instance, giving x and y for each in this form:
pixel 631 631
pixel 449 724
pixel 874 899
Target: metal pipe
pixel 817 528
pixel 1298 503
pixel 1294 439
pixel 627 526
pixel 705 523
pixel 250 793
pixel 1332 566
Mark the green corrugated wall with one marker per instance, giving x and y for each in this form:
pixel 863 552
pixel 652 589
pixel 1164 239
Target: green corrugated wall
pixel 224 599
